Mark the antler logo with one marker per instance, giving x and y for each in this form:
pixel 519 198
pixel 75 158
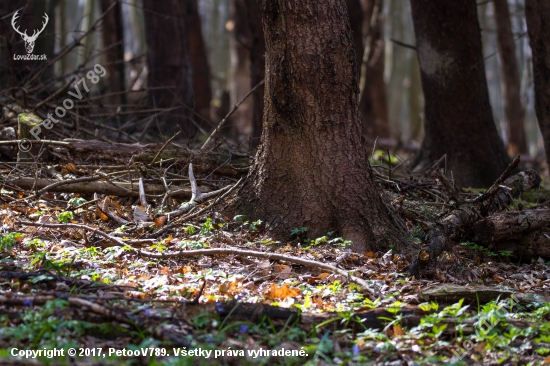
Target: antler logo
pixel 29 40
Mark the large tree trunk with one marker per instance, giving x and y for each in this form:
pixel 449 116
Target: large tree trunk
pixel 169 64
pixel 257 67
pixel 113 42
pixel 458 117
pixel 199 62
pixel 515 114
pixel 537 14
pixel 311 169
pixel 374 102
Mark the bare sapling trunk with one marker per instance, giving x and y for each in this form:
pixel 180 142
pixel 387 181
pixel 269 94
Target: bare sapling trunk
pixel 537 15
pixel 511 85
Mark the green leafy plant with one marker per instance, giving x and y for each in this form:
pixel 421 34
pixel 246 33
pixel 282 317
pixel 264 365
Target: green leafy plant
pixel 160 247
pixel 255 226
pixel 207 227
pixel 299 231
pixel 8 240
pixel 65 216
pixel 76 201
pixel 190 230
pixel 486 251
pixel 35 244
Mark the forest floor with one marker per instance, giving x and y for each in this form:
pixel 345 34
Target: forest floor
pixel 84 276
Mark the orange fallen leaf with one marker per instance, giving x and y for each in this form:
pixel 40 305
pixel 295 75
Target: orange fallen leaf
pixel 398 331
pixel 276 292
pixel 101 215
pixel 159 221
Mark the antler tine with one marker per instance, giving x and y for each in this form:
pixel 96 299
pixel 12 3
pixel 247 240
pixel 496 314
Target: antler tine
pixel 36 33
pixel 13 19
pixel 45 22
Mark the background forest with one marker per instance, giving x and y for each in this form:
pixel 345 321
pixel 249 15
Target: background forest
pixel 297 182
pixel 222 42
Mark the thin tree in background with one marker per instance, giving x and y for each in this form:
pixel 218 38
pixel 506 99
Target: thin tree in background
pixel 199 61
pixel 113 42
pixel 511 85
pixel 356 20
pixel 257 67
pixel 374 102
pixel 169 64
pixel 537 15
pixel 458 117
pixel 311 169
pixel 239 85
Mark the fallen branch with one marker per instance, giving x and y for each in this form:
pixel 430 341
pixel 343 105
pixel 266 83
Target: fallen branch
pixel 265 255
pixel 41 142
pixel 74 226
pixel 85 186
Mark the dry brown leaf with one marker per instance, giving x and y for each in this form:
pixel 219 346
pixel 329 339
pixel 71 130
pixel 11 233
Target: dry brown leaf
pixel 398 331
pixel 159 221
pixel 276 292
pixel 101 214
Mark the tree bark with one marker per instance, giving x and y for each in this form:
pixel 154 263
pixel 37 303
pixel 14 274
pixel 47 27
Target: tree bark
pixel 311 169
pixel 169 64
pixel 199 62
pixel 514 112
pixel 458 117
pixel 113 42
pixel 257 67
pixel 537 15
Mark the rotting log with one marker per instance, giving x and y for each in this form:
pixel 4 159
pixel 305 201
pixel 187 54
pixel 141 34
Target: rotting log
pixel 453 227
pixel 526 233
pixel 451 293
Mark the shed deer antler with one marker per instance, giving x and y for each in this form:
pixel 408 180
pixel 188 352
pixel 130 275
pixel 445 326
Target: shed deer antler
pixel 29 40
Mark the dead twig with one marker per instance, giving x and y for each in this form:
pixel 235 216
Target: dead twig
pixel 222 123
pixel 74 226
pixel 496 186
pixel 164 147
